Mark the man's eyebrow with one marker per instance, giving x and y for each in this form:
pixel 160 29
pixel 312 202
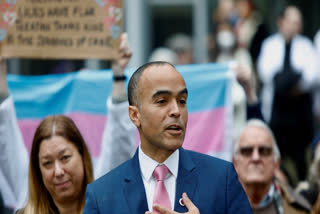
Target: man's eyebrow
pixel 166 92
pixel 161 92
pixel 183 91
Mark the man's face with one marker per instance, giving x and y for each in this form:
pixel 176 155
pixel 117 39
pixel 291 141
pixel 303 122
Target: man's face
pixel 161 115
pixel 291 23
pixel 254 161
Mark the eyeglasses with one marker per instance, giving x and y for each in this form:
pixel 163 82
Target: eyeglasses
pixel 247 151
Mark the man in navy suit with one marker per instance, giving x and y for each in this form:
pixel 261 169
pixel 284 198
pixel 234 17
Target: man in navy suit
pixel 194 182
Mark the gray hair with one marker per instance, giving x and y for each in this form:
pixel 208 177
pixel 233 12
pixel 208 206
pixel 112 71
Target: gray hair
pixel 260 124
pixel 164 54
pixel 179 42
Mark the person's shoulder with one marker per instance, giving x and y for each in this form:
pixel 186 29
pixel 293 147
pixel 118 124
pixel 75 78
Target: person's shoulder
pixel 204 159
pixel 273 38
pixel 114 177
pixel 293 198
pixel 271 42
pixel 303 40
pixel 210 167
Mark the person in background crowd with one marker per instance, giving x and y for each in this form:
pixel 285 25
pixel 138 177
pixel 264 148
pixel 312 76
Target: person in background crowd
pixel 248 22
pixel 60 168
pixel 289 71
pixel 225 12
pixel 250 30
pixel 14 157
pixel 310 188
pixel 256 159
pixel 240 61
pixel 246 81
pixel 181 44
pixel 253 107
pixel 164 54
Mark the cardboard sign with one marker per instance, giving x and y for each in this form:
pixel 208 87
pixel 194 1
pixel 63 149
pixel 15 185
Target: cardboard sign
pixel 60 29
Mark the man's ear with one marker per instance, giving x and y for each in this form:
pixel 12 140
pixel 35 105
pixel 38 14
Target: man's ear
pixel 277 163
pixel 279 174
pixel 134 115
pixel 234 161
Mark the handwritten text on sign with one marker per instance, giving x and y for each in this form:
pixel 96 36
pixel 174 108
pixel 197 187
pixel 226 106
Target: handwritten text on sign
pixel 60 28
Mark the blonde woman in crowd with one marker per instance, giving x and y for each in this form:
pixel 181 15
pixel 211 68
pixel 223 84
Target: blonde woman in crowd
pixel 60 164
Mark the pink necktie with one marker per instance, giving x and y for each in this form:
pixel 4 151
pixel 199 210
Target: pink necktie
pixel 161 195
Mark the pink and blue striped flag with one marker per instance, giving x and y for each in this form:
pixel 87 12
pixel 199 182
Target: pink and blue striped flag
pixel 82 96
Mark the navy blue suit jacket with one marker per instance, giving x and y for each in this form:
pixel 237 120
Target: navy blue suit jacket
pixel 211 184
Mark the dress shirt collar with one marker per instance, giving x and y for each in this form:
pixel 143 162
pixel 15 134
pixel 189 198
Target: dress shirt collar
pixel 147 164
pixel 267 199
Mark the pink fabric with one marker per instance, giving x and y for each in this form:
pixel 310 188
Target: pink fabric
pixel 91 127
pixel 205 131
pixel 161 195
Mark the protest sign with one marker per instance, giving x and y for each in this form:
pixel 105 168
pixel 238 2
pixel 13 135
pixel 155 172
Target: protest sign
pixel 60 29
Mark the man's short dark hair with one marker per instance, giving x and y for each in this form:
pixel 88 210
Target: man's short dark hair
pixel 135 78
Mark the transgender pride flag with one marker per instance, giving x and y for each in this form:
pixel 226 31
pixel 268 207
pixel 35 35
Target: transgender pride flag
pixel 82 96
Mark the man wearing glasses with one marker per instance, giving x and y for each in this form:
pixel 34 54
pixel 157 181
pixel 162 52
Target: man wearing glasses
pixel 256 159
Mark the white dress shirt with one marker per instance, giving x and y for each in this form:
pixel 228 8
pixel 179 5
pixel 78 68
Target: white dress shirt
pixel 270 62
pixel 147 166
pixel 268 198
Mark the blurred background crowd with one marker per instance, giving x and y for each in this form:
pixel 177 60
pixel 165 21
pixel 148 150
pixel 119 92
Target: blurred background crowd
pixel 150 24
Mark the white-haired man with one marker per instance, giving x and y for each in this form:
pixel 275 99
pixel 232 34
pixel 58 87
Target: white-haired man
pixel 256 159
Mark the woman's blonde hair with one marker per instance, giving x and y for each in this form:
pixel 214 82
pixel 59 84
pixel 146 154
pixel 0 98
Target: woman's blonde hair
pixel 40 200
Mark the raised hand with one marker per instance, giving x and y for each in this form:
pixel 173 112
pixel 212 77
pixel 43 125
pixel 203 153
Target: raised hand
pixel 118 90
pixel 245 79
pixel 125 54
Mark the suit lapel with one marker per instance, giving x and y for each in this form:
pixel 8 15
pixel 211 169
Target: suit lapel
pixel 134 190
pixel 187 180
